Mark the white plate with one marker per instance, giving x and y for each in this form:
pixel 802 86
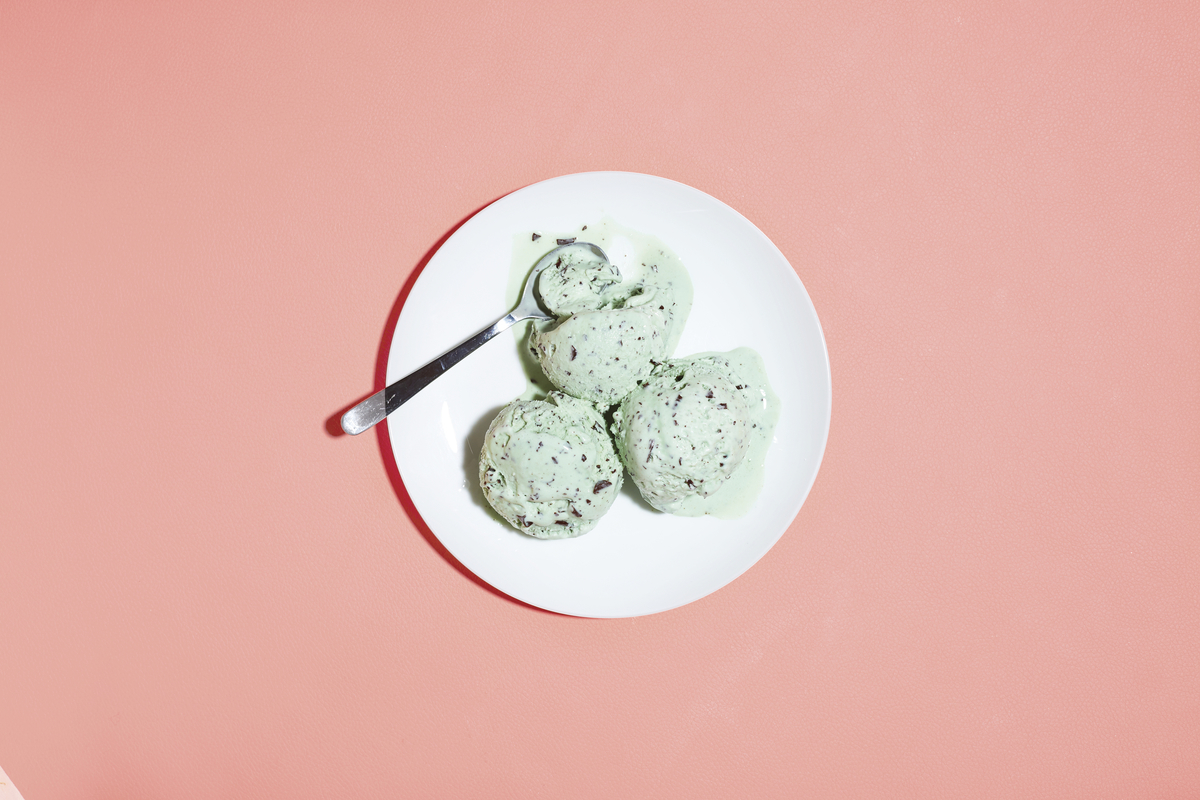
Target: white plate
pixel 636 561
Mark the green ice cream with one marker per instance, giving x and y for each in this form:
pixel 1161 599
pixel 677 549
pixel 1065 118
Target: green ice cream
pixel 601 355
pixel 613 325
pixel 692 427
pixel 578 281
pixel 548 466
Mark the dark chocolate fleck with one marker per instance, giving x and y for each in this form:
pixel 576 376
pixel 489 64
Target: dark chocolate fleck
pixel 562 522
pixel 709 395
pixel 583 458
pixel 536 236
pixel 576 513
pixel 567 241
pixel 722 406
pixel 601 486
pixel 555 460
pixel 573 353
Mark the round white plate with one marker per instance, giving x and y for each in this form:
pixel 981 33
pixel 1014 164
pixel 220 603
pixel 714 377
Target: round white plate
pixel 636 561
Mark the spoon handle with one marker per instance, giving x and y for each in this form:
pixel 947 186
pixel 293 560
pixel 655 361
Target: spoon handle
pixel 384 402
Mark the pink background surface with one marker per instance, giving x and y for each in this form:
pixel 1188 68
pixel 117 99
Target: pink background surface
pixel 209 213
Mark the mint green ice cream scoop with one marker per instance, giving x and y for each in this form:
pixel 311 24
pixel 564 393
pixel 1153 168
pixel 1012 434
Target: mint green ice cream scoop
pixel 549 467
pixel 694 435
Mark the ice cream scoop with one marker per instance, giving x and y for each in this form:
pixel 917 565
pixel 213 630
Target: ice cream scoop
pixel 376 407
pixel 694 425
pixel 613 327
pixel 549 467
pixel 601 355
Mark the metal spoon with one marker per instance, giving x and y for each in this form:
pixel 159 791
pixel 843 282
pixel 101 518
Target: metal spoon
pixel 379 405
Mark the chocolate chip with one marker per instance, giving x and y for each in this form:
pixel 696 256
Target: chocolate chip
pixel 584 228
pixel 566 241
pixel 555 460
pixel 573 353
pixel 536 236
pixel 709 395
pixel 583 458
pixel 722 406
pixel 601 486
pixel 576 513
pixel 562 522
pixel 740 387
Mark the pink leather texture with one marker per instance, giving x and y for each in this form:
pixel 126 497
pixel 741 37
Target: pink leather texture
pixel 211 212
